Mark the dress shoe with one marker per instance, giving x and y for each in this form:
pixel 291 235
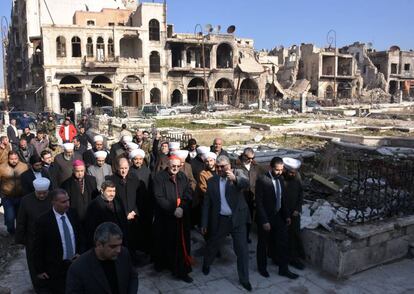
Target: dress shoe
pixel 247 286
pixel 186 279
pixel 206 270
pixel 288 274
pixel 264 273
pixel 297 264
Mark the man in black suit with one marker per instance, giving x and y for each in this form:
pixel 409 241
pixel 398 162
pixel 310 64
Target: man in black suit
pixel 36 171
pixel 105 208
pixel 58 242
pixel 81 189
pixel 225 212
pixel 273 219
pixel 13 134
pixel 107 268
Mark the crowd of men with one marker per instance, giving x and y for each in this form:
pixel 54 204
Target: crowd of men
pixel 88 216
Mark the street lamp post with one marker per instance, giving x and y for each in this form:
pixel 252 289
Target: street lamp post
pixel 5 42
pixel 201 34
pixel 331 38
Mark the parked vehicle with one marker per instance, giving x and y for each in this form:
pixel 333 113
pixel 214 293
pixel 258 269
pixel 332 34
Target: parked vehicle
pixel 221 106
pixel 183 107
pixel 110 111
pixel 158 109
pixel 197 109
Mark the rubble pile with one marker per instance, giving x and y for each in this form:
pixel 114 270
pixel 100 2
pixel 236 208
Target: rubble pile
pixel 376 95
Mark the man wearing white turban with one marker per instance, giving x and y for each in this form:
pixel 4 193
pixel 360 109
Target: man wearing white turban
pixel 100 169
pixel 98 145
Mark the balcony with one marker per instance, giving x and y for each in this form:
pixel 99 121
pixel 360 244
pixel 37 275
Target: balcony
pixel 92 63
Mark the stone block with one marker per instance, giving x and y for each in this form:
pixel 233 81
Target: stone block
pixel 380 238
pixel 405 221
pixel 366 231
pixel 396 248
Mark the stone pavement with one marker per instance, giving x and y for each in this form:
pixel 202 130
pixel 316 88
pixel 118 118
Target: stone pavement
pixel 395 278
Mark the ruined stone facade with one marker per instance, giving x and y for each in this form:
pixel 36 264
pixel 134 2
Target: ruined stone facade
pixel 117 53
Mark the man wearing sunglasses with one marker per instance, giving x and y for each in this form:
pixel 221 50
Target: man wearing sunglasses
pixel 225 212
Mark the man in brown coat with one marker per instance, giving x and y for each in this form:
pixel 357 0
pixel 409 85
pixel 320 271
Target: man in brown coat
pixel 5 147
pixel 11 189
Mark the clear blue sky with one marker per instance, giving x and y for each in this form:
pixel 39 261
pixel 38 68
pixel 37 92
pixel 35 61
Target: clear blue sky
pixel 274 22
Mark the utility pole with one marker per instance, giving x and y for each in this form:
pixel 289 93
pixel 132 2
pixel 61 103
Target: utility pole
pixel 5 43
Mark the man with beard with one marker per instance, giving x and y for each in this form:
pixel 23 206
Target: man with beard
pixel 40 143
pixel 54 147
pixel 31 208
pixel 197 164
pixel 192 150
pixel 127 188
pixel 100 170
pixel 208 172
pixel 27 135
pixel 81 189
pixel 105 208
pixel 107 268
pixel 35 171
pixel 25 151
pixel 47 159
pixel 163 155
pixel 172 194
pixel 119 149
pixel 138 138
pixel 62 165
pixel 5 148
pixel 89 156
pixel 272 219
pixel 225 212
pixel 83 137
pixel 13 134
pixel 186 168
pixel 251 170
pixel 11 189
pixel 294 200
pixel 143 175
pixel 51 127
pixel 78 147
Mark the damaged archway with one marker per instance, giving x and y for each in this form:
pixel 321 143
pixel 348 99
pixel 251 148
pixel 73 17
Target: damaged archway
pixel 195 91
pixel 176 97
pixel 344 90
pixel 329 92
pixel 102 91
pixel 223 91
pixel 249 91
pixel 132 91
pixel 155 95
pixel 224 56
pixel 70 91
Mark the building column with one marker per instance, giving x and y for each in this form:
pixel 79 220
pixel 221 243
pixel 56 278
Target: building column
pixel 55 99
pixel 47 97
pixel 185 97
pixel 117 95
pixel 183 58
pixel 86 97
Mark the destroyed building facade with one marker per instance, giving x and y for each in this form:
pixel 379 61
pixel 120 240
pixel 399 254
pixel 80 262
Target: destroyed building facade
pixel 121 53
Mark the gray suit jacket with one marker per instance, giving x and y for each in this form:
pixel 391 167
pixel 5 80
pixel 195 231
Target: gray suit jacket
pixel 235 199
pixel 86 275
pixel 99 173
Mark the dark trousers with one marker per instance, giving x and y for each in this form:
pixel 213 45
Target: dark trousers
pixel 296 249
pixel 278 237
pixel 11 208
pixel 240 246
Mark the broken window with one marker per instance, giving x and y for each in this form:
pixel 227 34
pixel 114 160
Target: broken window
pixel 76 47
pixel 90 22
pixel 155 65
pixel 394 68
pixel 224 56
pixel 407 67
pixel 155 96
pixel 100 49
pixel 154 30
pixel 89 47
pixel 111 24
pixel 60 46
pixel 111 49
pixel 176 56
pixel 188 56
pixel 130 47
pixel 378 66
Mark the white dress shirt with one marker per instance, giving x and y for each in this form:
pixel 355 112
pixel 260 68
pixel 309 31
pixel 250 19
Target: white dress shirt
pixel 247 166
pixel 225 207
pixel 62 236
pixel 66 132
pixel 37 174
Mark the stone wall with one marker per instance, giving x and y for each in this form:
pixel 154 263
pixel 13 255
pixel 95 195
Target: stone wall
pixel 352 249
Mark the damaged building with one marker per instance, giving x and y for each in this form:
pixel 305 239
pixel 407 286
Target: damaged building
pixel 122 53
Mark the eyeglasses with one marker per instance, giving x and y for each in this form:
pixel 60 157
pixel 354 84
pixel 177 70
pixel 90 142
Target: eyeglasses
pixel 249 158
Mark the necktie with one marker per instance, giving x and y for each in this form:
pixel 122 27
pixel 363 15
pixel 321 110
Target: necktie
pixel 68 239
pixel 278 195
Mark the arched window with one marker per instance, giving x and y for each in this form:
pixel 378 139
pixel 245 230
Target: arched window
pixel 60 46
pixel 155 96
pixel 100 49
pixel 89 47
pixel 76 47
pixel 111 49
pixel 154 30
pixel 155 62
